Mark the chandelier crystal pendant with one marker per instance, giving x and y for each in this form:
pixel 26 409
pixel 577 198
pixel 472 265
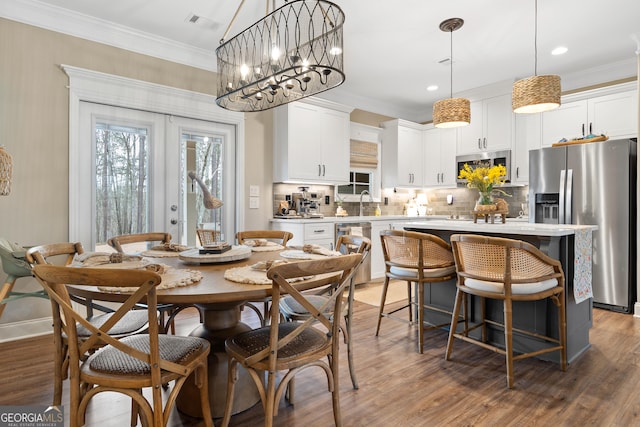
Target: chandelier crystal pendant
pixel 536 94
pixel 293 52
pixel 452 112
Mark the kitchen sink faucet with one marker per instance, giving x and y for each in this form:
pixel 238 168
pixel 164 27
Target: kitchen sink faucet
pixel 361 196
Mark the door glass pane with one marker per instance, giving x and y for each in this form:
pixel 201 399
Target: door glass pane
pixel 204 155
pixel 122 180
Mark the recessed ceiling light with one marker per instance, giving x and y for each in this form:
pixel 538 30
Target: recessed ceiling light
pixel 559 50
pixel 431 88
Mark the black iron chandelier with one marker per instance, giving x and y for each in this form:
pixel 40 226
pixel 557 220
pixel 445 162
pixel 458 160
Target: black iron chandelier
pixel 293 52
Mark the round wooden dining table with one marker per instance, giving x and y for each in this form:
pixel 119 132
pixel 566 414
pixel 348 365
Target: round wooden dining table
pixel 220 301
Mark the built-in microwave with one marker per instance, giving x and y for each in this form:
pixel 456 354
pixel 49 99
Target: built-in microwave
pixel 490 158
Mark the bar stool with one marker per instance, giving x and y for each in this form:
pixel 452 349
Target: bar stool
pixel 415 258
pixel 506 270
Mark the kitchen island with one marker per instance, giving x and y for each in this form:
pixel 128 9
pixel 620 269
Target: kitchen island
pixel 557 241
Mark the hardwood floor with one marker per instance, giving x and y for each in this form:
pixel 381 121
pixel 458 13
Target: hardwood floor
pixel 401 387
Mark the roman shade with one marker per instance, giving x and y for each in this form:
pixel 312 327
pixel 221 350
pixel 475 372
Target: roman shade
pixel 364 154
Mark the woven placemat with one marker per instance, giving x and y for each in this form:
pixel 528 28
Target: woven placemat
pixel 171 278
pixel 262 245
pixel 249 275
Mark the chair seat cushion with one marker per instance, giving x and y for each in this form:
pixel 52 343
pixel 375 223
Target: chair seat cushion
pixel 172 348
pixel 516 288
pixel 311 340
pixel 290 307
pixel 427 272
pixel 131 322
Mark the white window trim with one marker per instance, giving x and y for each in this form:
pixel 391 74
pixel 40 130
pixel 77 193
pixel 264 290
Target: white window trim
pixel 93 86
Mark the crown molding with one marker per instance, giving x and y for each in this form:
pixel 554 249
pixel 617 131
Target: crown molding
pixel 43 15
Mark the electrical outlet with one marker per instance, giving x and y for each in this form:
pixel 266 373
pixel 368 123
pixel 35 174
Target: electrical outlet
pixel 327 200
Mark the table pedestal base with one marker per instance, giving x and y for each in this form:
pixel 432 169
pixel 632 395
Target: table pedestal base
pixel 220 322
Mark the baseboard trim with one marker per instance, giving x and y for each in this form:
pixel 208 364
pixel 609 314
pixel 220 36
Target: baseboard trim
pixel 636 309
pixel 25 329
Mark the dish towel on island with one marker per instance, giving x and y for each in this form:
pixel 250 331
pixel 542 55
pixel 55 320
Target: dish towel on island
pixel 583 245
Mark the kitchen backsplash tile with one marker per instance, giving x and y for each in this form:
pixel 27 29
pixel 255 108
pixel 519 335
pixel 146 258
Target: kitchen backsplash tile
pixel 464 200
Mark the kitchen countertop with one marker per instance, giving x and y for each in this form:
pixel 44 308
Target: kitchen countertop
pixel 512 226
pixel 369 218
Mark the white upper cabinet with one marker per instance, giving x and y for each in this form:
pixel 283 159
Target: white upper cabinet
pixel 440 157
pixel 528 131
pixel 311 144
pixel 402 148
pixel 596 112
pixel 491 126
pixel 417 156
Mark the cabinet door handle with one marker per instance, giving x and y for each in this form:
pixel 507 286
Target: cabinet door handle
pixel 484 140
pixel 583 129
pixel 590 128
pixel 323 170
pixel 518 172
pixel 319 170
pixel 479 144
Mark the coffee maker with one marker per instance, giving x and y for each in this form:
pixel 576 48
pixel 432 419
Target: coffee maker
pixel 306 203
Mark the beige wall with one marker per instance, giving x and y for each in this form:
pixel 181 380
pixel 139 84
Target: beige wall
pixel 34 121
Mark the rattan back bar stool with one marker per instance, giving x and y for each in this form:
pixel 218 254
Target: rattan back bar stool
pixel 507 270
pixel 420 258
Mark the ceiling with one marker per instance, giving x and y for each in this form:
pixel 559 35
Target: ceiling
pixel 392 49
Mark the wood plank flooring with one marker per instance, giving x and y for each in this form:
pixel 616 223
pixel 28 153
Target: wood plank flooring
pixel 400 387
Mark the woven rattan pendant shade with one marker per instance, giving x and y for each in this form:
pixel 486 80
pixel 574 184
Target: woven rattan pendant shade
pixel 452 112
pixel 6 170
pixel 536 94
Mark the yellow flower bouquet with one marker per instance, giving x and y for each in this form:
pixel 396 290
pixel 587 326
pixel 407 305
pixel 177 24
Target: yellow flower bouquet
pixel 484 178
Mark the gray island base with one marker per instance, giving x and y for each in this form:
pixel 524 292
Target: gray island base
pixel 557 241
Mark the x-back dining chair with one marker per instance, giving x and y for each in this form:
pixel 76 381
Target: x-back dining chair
pixel 507 270
pixel 129 364
pixel 133 322
pixel 292 310
pixel 419 258
pixel 293 346
pixel 280 237
pixel 121 243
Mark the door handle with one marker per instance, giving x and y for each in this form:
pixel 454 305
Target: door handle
pixel 323 170
pixel 583 129
pixel 590 128
pixel 319 170
pixel 484 140
pixel 518 172
pixel 479 144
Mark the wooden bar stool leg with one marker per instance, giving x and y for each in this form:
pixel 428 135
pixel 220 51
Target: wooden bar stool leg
pixel 420 317
pixel 508 341
pixel 383 298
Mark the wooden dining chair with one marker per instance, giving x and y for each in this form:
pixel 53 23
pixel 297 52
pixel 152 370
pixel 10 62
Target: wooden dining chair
pixel 293 346
pixel 506 270
pixel 291 310
pixel 121 243
pixel 132 323
pixel 277 236
pixel 129 364
pixel 419 258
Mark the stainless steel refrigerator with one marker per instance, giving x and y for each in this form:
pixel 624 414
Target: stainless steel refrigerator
pixel 593 184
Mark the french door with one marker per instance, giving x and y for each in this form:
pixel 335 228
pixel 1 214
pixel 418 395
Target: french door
pixel 133 170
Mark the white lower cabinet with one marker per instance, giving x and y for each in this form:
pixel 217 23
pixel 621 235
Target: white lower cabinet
pixel 317 233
